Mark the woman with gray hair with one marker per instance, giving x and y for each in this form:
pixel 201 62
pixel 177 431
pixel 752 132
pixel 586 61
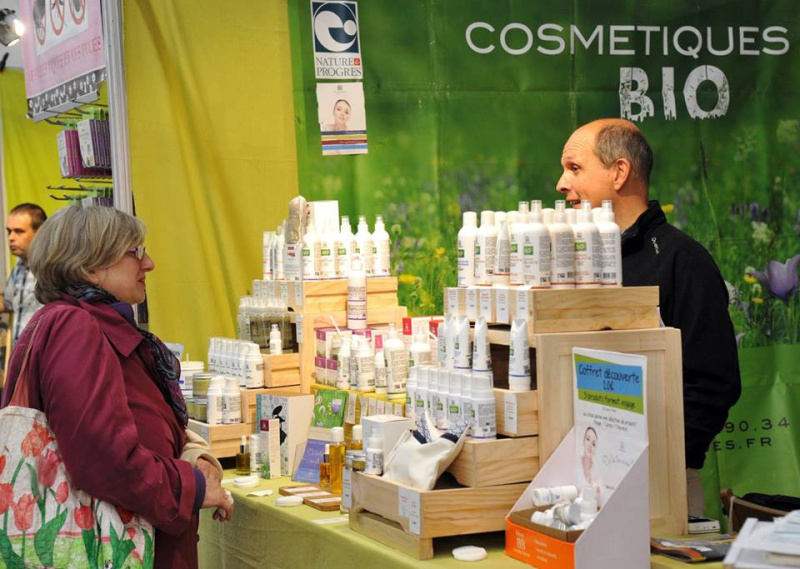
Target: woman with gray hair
pixel 109 389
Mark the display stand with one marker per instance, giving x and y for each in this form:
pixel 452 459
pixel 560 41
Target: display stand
pixel 317 304
pixel 618 538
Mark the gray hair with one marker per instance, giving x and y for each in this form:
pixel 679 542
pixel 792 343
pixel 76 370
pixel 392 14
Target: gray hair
pixel 76 240
pixel 623 141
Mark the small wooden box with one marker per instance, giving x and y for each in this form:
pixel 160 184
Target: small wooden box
pixel 408 519
pixel 249 402
pixel 224 439
pixel 484 463
pixel 281 370
pixel 517 412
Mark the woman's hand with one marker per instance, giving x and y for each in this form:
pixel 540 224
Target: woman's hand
pixel 215 497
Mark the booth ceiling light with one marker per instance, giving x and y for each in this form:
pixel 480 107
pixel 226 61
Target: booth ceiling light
pixel 11 27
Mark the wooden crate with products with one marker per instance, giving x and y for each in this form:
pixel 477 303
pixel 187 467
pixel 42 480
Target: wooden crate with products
pixel 224 439
pixel 409 520
pixel 281 370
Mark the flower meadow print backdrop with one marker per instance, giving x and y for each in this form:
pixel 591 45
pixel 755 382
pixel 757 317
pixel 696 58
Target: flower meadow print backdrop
pixel 469 103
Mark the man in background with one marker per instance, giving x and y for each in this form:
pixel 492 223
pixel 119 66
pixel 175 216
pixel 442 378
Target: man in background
pixel 610 159
pixel 18 297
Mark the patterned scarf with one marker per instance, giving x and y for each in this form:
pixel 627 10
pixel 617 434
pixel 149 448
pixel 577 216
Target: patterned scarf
pixel 165 361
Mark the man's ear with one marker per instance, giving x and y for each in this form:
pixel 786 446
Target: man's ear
pixel 621 171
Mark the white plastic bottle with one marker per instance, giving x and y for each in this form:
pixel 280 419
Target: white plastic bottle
pixel 421 396
pixel 381 387
pixel 280 241
pixel 394 350
pixel 519 359
pixel 610 247
pixel 467 411
pixel 454 401
pixel 501 270
pixel 442 413
pixel 411 391
pixel 381 246
pixel 481 351
pixel 231 402
pixel 450 342
pixel 275 341
pixel 562 249
pixel 364 245
pixel 357 297
pixel 435 405
pixel 516 239
pixel 343 367
pixel 588 260
pixel 536 249
pixel 327 253
pixel 420 351
pixel 374 455
pixel 355 343
pixel 365 360
pixel 254 372
pixel 441 344
pixel 310 253
pixel 485 426
pixel 463 344
pixel 214 396
pixel 466 249
pixel 347 251
pixel 485 249
pixel 268 270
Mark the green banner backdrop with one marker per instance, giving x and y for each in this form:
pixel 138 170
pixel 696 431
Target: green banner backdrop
pixel 469 102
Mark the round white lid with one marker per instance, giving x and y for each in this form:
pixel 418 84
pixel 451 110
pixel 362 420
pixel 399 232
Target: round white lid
pixel 469 553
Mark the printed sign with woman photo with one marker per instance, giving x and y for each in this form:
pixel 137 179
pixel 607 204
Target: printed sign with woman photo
pixel 342 118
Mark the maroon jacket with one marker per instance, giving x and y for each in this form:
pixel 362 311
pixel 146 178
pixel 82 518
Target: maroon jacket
pixel 89 372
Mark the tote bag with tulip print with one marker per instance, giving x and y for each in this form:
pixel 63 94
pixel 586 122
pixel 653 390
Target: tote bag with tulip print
pixel 44 520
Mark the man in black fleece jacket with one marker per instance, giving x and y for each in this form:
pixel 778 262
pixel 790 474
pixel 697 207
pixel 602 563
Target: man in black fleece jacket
pixel 610 159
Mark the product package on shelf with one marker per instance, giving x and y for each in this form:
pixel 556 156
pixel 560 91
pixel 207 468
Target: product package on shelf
pixel 294 412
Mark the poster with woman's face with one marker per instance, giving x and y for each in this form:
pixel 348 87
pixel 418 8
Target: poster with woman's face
pixel 342 118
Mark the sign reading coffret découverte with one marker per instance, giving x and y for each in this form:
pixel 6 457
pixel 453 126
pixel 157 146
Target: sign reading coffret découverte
pixel 337 47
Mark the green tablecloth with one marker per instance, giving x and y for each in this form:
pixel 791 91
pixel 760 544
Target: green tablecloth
pixel 264 536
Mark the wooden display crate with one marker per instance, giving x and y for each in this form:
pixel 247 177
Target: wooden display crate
pixel 281 370
pixel 224 439
pixel 517 412
pixel 483 463
pixel 249 402
pixel 568 310
pixel 408 520
pixel 331 295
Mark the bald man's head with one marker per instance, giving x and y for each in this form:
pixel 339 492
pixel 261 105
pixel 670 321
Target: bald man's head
pixel 618 138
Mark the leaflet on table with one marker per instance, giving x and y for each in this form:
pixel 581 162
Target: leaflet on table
pixel 308 470
pixel 610 417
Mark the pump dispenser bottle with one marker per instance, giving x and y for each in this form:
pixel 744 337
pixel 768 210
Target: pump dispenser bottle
pixel 275 341
pixel 466 249
pixel 610 247
pixel 364 245
pixel 348 245
pixel 310 252
pixel 501 270
pixel 381 246
pixel 562 249
pixel 517 235
pixel 485 249
pixel 588 260
pixel 537 245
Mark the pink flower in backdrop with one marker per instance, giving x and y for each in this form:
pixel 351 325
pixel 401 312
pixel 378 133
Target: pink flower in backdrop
pixel 23 512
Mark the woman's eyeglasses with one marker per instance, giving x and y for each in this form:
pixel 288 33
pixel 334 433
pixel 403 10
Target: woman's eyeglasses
pixel 138 251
